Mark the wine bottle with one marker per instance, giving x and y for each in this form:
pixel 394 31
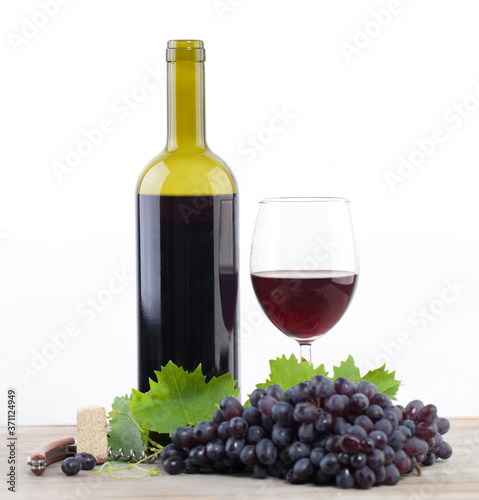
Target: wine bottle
pixel 187 237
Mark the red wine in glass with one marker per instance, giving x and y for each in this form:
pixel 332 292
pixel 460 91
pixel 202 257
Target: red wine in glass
pixel 304 304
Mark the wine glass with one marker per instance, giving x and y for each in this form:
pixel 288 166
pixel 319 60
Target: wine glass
pixel 304 265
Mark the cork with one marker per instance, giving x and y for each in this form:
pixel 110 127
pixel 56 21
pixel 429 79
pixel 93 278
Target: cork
pixel 92 438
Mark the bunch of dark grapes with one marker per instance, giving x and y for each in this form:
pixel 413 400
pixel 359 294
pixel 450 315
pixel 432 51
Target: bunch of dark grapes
pixel 341 433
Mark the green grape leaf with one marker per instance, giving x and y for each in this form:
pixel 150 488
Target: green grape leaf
pixel 180 398
pixel 384 380
pixel 288 372
pixel 123 432
pixel 347 369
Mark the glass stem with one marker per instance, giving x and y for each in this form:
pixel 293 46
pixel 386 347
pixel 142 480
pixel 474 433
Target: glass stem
pixel 305 352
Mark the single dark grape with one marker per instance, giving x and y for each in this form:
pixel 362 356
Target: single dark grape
pixel 231 407
pixel 224 431
pixel 396 440
pixel 198 455
pixel 444 451
pixel 317 455
pixel 234 446
pixel 266 451
pixel 218 417
pixel 427 414
pixel 87 460
pixel 330 464
pixel 358 460
pixel 252 415
pixel 267 424
pixel 299 450
pixel 357 432
pixel 305 413
pixel 379 438
pixel 302 392
pixel 388 454
pixel 282 413
pixel 390 415
pixel 190 467
pixel 344 479
pixel 265 405
pixel 383 425
pixel 381 400
pixel 205 431
pixel 281 435
pixel 289 396
pixel 215 449
pixel 322 387
pixel 335 405
pixel 324 422
pixel 349 444
pixel 333 444
pixel 365 422
pixel 374 412
pixel 380 474
pixel 365 477
pixel 359 402
pixel 392 475
pixel 256 395
pixel 172 450
pixel 368 389
pixel 402 461
pixel 367 445
pixel 344 386
pixel 307 433
pixel 71 466
pixel 303 469
pixel 426 431
pixel 413 408
pixel 248 454
pixel 276 392
pixel 429 460
pixel 183 436
pixel 415 446
pixel 173 465
pixel 443 425
pixel 376 459
pixel 238 426
pixel 255 434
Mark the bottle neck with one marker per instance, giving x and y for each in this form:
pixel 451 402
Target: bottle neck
pixel 186 105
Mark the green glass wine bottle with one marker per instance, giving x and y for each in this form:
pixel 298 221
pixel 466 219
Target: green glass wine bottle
pixel 187 222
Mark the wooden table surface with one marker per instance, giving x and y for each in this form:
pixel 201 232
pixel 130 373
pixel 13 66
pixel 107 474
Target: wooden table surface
pixel 454 479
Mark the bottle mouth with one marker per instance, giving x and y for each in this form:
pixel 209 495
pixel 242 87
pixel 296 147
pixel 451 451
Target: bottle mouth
pixel 185 50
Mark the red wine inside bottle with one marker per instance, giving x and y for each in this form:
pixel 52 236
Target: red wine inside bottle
pixel 188 282
pixel 187 238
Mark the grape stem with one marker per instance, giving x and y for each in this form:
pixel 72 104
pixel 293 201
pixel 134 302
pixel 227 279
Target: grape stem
pixel 418 469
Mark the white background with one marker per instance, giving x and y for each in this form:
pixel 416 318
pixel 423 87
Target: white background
pixel 362 95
